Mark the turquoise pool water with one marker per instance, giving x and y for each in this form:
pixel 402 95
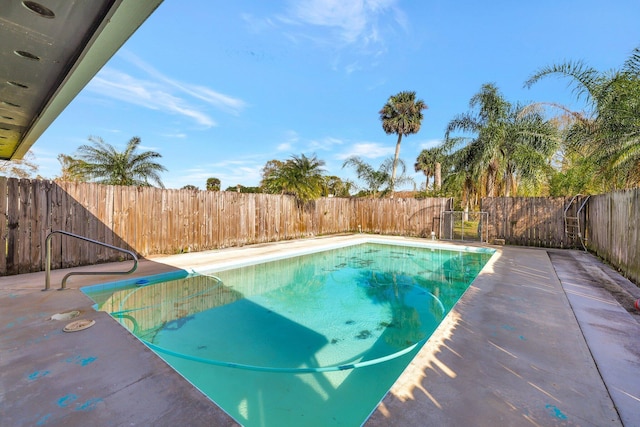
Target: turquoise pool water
pixel 309 340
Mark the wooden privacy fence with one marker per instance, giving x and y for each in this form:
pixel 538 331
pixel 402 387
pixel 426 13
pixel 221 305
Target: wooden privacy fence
pixel 529 221
pixel 153 221
pixel 613 230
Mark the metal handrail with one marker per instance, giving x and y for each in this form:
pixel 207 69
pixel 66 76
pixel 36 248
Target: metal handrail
pixel 47 284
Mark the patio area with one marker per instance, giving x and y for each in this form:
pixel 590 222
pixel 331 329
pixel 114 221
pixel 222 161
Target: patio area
pixel 536 340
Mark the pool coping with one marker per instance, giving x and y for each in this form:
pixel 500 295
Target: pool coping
pixel 450 373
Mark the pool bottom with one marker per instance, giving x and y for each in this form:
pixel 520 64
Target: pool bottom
pixel 260 333
pixel 281 399
pixel 321 398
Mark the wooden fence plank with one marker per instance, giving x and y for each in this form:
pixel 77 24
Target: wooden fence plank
pixel 24 226
pixel 4 231
pixel 13 240
pixel 39 225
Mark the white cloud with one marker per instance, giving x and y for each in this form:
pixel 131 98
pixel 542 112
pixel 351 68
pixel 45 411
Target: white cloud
pixel 367 150
pixel 324 144
pixel 177 135
pixel 123 87
pixel 355 21
pixel 430 143
pixel 291 138
pixel 142 147
pixel 162 93
pixel 217 99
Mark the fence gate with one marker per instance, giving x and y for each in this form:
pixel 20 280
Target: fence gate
pixel 465 226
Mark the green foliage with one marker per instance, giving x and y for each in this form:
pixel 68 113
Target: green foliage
pixel 70 173
pixel 574 175
pixel 213 184
pixel 336 187
pixel 270 167
pixel 498 146
pixel 300 176
pixel 190 187
pixel 609 134
pixel 504 149
pixel 103 164
pixel 429 162
pixel 242 189
pixel 378 182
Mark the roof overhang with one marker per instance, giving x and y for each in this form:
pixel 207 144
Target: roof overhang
pixel 49 51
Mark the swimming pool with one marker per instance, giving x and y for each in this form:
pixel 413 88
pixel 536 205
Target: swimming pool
pixel 316 339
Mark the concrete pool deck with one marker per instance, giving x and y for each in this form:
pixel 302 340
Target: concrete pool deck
pixel 536 340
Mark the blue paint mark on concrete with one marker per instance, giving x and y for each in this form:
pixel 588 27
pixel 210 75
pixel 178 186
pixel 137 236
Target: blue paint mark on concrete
pixel 65 401
pixel 43 420
pixel 82 361
pixel 9 325
pixel 22 319
pixel 88 360
pixel 89 405
pixel 38 374
pixel 508 328
pixel 522 338
pixel 556 412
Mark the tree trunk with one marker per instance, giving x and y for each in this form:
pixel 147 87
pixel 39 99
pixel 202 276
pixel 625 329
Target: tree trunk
pixel 492 171
pixel 437 177
pixel 395 164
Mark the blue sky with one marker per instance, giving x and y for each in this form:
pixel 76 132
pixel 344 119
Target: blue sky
pixel 219 88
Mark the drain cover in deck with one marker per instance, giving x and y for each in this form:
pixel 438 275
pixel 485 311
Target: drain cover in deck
pixel 79 325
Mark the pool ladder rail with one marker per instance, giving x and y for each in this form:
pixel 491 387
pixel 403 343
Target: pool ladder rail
pixel 63 286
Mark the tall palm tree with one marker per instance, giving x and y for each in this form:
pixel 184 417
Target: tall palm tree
pixel 461 176
pixel 485 125
pixel 102 163
pixel 300 176
pixel 506 142
pixel 401 115
pixel 610 131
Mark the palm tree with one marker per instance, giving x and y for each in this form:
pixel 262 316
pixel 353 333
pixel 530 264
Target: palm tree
pixel 507 142
pixel 301 177
pixel 376 178
pixel 401 115
pixel 429 162
pixel 336 187
pixel 213 184
pixel 610 132
pixel 102 163
pixel 461 178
